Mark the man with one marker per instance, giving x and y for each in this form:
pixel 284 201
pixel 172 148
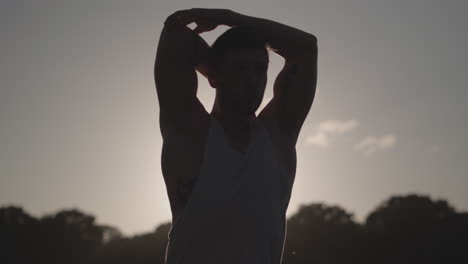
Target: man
pixel 229 173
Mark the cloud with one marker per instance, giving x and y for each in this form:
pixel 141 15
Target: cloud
pixel 329 129
pixel 337 127
pixel 319 139
pixel 370 144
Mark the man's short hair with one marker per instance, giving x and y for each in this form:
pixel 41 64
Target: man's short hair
pixel 234 39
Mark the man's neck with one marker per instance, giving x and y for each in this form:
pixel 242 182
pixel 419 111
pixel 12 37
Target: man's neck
pixel 233 123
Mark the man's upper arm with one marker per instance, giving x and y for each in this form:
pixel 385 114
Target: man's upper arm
pixel 294 92
pixel 175 75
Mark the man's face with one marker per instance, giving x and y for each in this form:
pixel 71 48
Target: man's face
pixel 242 80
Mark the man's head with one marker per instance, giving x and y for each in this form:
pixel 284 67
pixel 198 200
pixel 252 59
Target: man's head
pixel 238 69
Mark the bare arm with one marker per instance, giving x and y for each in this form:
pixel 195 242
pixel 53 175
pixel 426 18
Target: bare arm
pixel 201 55
pixel 294 87
pixel 288 42
pixel 180 52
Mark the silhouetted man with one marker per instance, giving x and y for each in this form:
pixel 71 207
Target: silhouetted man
pixel 229 173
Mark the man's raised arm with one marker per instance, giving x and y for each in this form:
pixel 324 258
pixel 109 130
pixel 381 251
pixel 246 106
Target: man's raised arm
pixel 288 42
pixel 179 54
pixel 294 87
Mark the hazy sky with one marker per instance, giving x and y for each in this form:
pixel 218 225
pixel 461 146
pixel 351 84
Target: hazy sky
pixel 79 115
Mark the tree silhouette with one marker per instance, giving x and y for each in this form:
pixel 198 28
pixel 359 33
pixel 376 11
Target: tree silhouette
pixel 147 248
pixel 415 229
pixel 403 229
pixel 319 233
pixel 69 236
pixel 17 234
pixel 110 233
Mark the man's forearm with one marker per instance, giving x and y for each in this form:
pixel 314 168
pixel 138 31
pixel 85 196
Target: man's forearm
pixel 287 41
pixel 201 54
pixel 200 51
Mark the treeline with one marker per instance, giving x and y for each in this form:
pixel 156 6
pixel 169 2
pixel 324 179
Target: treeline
pixel 403 229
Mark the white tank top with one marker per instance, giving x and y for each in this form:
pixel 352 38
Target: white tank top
pixel 236 213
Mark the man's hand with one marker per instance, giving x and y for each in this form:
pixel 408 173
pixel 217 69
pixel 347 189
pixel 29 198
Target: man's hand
pixel 206 19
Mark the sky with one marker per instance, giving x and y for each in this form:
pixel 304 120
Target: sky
pixel 79 115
